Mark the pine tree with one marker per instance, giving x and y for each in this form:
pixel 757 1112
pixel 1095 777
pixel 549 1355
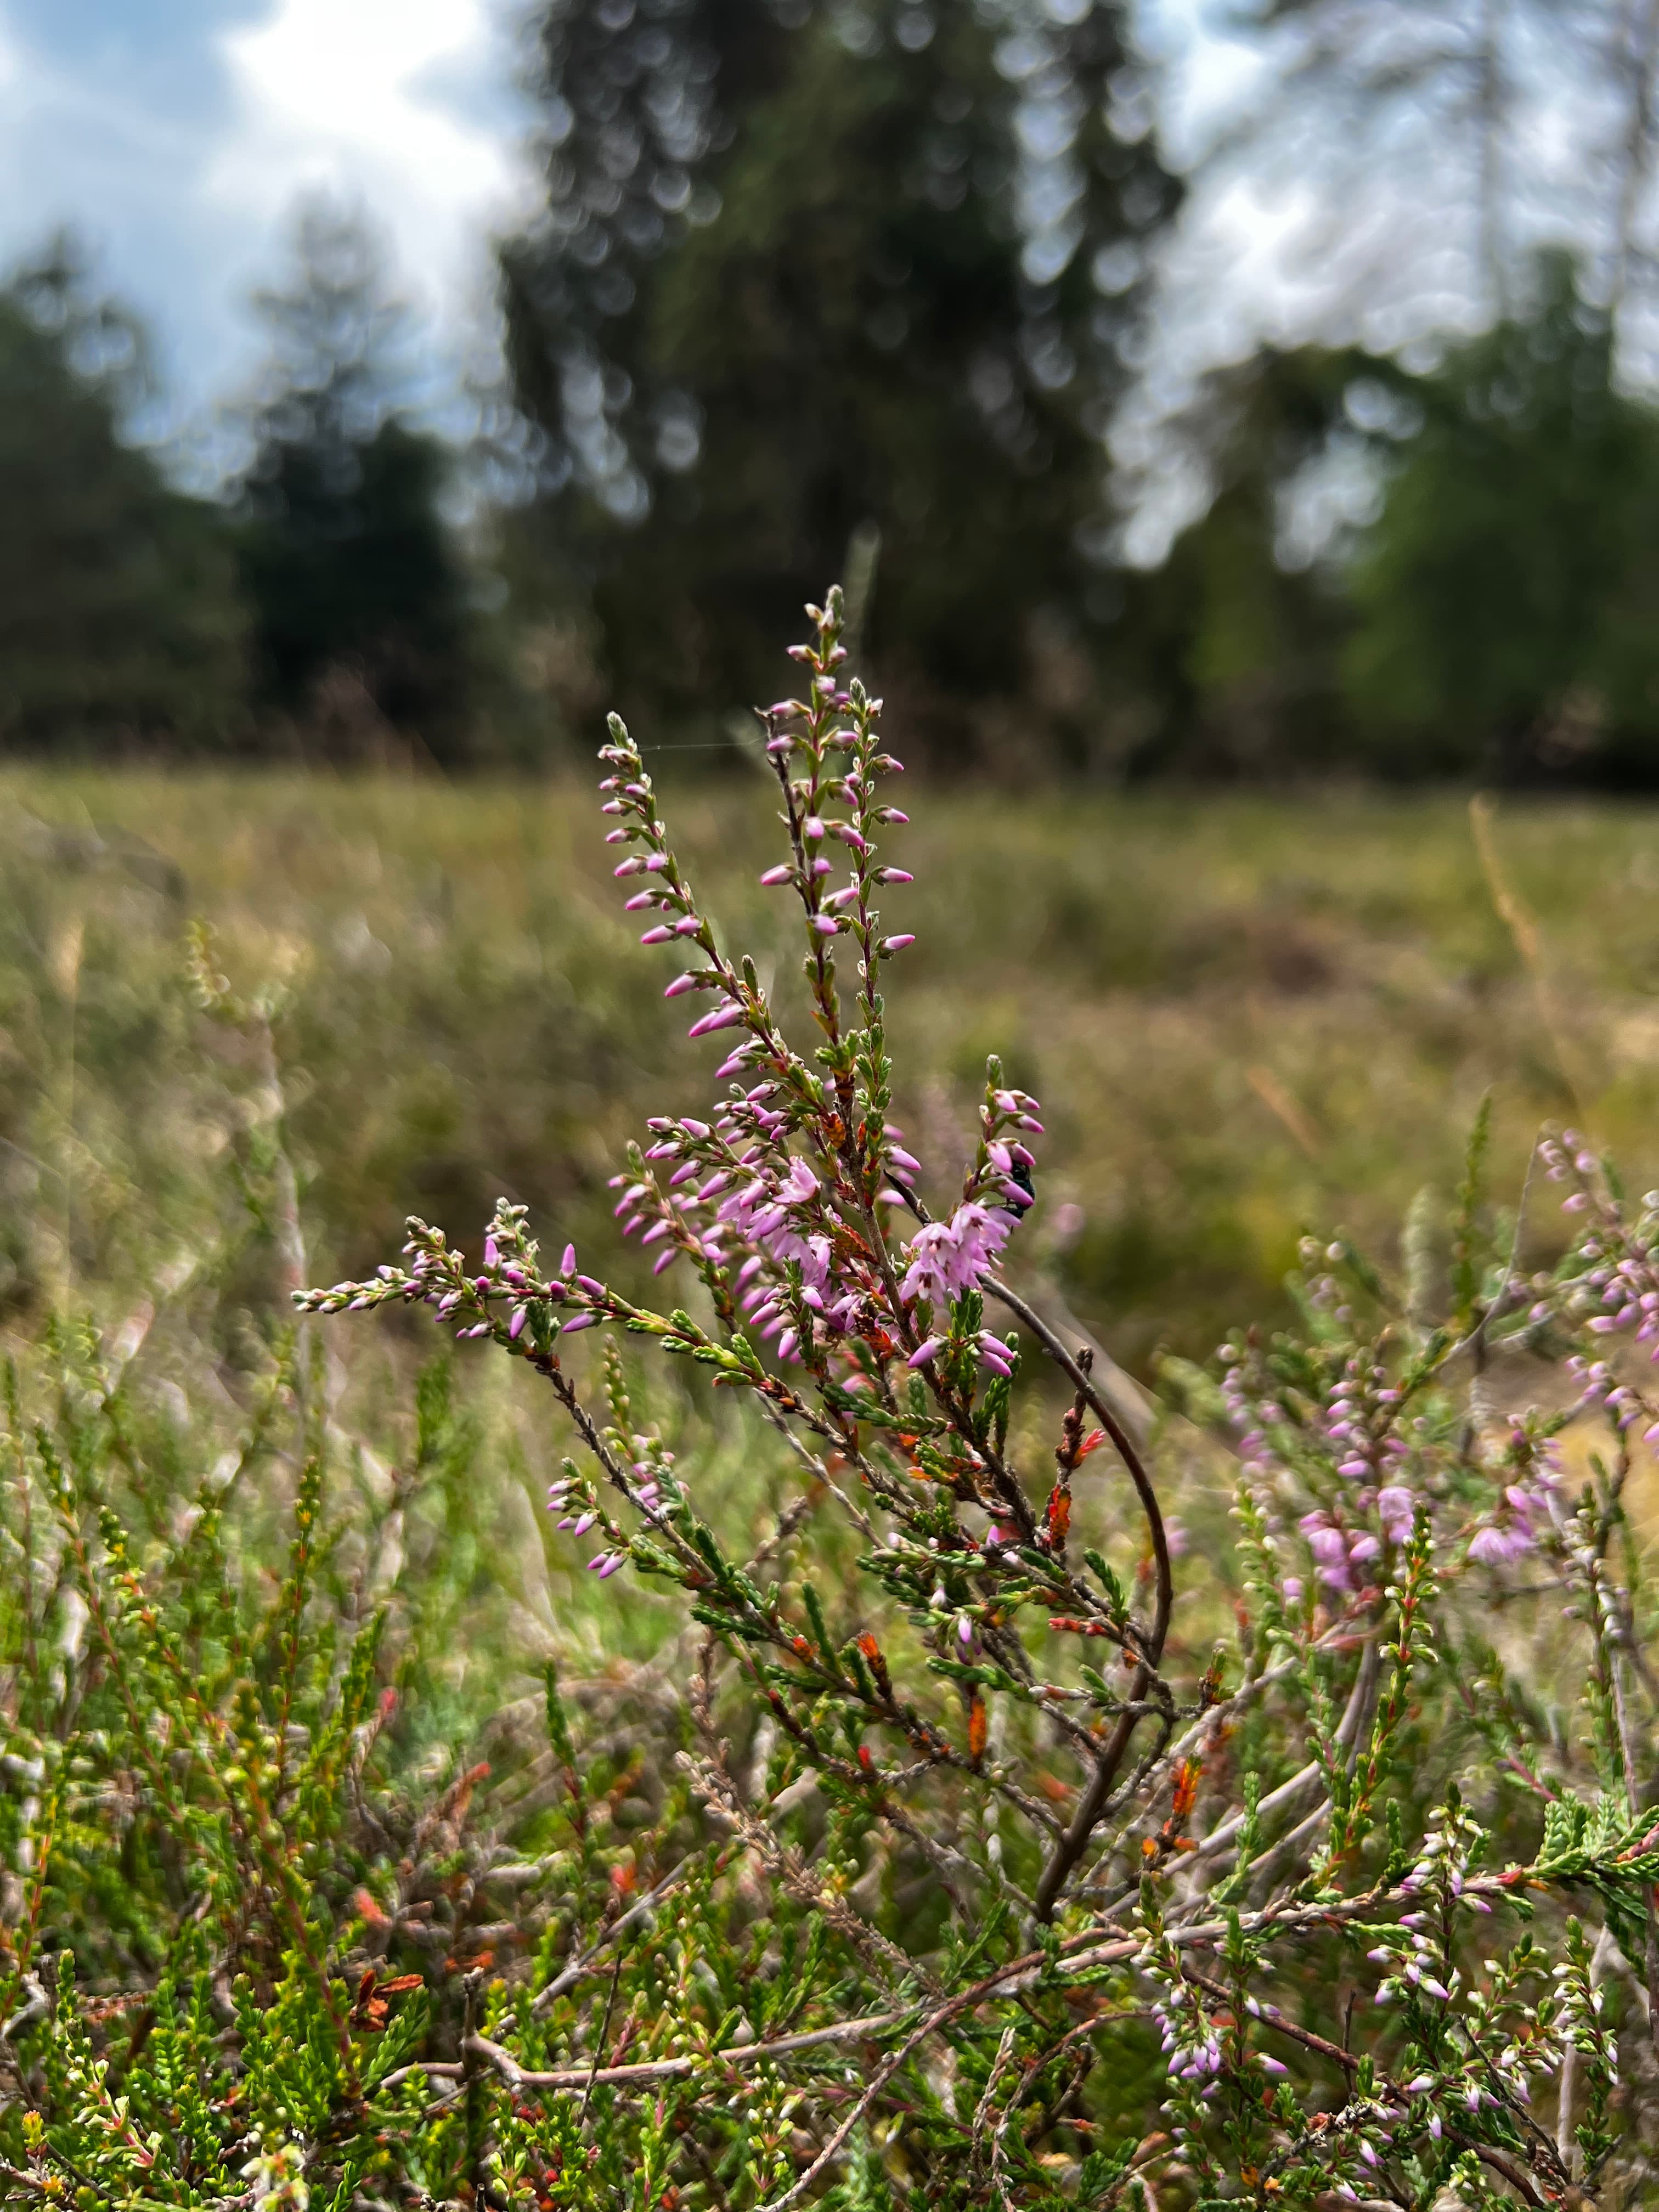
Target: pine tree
pixel 118 616
pixel 345 557
pixel 798 281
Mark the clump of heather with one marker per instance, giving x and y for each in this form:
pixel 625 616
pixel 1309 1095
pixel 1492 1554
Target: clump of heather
pixel 1377 1906
pixel 1008 1848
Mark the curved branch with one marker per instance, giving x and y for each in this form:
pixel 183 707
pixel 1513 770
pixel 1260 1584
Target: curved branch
pixel 1092 1804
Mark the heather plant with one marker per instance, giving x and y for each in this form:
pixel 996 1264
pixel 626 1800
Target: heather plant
pixel 986 1834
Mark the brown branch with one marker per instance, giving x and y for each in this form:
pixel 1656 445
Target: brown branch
pixel 1093 1802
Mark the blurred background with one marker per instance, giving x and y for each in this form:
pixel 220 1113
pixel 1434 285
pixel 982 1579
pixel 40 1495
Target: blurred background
pixel 1236 422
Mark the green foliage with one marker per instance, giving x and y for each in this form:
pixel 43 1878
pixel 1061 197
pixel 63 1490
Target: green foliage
pixel 1225 660
pixel 348 568
pixel 1502 599
pixel 742 359
pixel 120 620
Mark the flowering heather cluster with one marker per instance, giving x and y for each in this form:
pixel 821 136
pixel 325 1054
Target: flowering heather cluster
pixel 1331 1775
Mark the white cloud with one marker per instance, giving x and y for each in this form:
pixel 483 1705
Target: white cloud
pixel 346 93
pixel 179 171
pixel 349 95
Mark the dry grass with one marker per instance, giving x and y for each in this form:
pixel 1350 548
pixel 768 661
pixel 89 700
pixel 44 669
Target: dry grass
pixel 1246 1018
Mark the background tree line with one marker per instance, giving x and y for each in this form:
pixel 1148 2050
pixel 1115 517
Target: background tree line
pixel 817 289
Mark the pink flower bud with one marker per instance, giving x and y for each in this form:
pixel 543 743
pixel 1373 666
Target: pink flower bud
pixel 891 945
pixel 773 877
pixel 927 1350
pixel 723 1018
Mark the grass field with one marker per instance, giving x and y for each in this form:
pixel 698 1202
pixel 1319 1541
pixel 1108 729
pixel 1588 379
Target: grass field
pixel 1246 1018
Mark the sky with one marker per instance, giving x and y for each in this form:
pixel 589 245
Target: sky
pixel 174 135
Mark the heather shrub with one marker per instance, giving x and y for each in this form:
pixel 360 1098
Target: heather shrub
pixel 1011 1799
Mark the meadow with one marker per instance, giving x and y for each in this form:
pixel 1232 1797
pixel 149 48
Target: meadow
pixel 257 1564
pixel 1248 1019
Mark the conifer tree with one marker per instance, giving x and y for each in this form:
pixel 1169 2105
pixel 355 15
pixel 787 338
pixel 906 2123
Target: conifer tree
pixel 345 555
pixel 118 616
pixel 806 272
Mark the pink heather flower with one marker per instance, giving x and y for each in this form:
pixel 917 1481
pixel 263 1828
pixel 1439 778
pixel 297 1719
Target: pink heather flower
pixel 606 1564
pixel 1329 1545
pixel 723 1018
pixel 1493 1546
pixel 576 1321
pixel 774 877
pixel 1395 1509
pixel 515 1326
pixel 949 1257
pixel 897 944
pixel 802 1183
pixel 928 1349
